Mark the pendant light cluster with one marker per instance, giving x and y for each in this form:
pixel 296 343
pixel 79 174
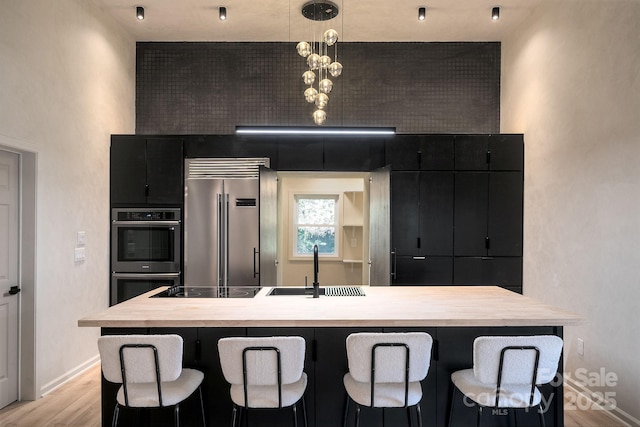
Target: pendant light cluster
pixel 319 60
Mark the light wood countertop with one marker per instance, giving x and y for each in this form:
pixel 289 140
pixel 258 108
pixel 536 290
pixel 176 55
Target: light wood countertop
pixel 396 306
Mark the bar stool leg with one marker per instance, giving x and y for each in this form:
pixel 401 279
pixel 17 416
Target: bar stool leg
pixel 419 412
pixel 346 411
pixel 116 411
pixel 304 411
pixel 357 415
pixel 479 421
pixel 541 415
pixel 409 417
pixel 176 415
pixel 295 415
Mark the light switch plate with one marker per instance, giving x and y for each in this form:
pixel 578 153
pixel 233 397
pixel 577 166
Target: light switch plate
pixel 79 255
pixel 81 238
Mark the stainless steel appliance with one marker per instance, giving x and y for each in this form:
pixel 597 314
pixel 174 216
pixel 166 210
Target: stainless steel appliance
pixel 222 217
pixel 145 240
pixel 128 285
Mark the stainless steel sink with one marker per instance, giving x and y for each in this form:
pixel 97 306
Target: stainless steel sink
pixel 328 291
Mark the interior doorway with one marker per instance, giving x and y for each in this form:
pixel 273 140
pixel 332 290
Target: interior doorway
pixel 25 275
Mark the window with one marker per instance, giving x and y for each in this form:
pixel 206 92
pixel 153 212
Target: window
pixel 316 223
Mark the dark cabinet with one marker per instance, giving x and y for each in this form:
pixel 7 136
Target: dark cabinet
pixel 456 196
pixel 343 154
pixel 422 227
pixel 489 152
pixel 505 272
pixel 146 171
pixel 230 146
pixel 420 152
pixel 488 214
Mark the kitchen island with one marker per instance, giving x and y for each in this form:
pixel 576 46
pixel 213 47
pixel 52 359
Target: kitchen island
pixel 453 315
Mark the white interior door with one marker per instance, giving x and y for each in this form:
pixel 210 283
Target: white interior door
pixel 9 227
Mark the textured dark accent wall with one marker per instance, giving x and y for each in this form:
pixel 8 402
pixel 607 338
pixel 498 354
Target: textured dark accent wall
pixel 209 88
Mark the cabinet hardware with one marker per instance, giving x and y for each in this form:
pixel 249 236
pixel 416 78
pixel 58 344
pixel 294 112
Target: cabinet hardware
pixel 418 243
pixel 14 290
pixel 146 190
pixel 487 242
pixel 255 272
pixel 419 258
pixel 393 271
pixel 488 157
pixel 435 350
pixel 314 350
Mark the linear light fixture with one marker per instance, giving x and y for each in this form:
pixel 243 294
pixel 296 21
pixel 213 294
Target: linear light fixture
pixel 304 130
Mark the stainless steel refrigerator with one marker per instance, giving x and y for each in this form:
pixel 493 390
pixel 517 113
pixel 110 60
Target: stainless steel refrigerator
pixel 222 218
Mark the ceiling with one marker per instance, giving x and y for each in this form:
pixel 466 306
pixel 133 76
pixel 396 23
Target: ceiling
pixel 281 20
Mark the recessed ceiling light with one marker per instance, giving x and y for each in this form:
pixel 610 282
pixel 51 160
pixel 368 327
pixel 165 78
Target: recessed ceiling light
pixel 495 13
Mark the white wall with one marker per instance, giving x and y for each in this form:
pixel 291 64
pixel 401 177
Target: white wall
pixel 67 82
pixel 571 84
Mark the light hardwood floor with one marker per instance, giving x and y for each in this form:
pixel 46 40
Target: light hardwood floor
pixel 77 404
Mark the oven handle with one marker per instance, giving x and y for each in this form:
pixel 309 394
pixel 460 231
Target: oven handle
pixel 144 275
pixel 116 222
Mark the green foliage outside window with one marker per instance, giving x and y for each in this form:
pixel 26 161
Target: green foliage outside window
pixel 316 225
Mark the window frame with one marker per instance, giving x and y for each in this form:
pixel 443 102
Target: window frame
pixel 295 196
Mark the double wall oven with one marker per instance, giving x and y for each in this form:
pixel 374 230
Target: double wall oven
pixel 145 250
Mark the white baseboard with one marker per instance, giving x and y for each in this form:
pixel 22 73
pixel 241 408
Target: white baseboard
pixel 595 401
pixel 63 379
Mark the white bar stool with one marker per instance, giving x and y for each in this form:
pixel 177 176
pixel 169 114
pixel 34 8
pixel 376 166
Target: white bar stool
pixel 264 372
pixel 385 370
pixel 506 371
pixel 149 367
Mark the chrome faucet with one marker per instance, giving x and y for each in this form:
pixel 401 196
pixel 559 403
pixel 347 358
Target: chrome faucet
pixel 316 285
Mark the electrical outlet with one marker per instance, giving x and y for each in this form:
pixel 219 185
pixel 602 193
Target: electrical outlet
pixel 580 347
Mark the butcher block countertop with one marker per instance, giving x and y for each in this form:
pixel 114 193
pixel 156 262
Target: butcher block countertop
pixel 396 306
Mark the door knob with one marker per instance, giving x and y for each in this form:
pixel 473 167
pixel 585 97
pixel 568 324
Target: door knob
pixel 14 290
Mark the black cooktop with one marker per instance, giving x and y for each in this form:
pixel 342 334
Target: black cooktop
pixel 208 292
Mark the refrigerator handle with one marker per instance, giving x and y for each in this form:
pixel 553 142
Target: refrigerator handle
pixel 255 272
pixel 226 241
pixel 220 242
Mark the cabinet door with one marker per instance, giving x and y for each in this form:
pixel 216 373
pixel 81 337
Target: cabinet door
pixel 489 152
pixel 402 152
pixel 507 152
pixel 128 170
pixel 352 154
pixel 422 270
pixel 505 214
pixel 470 219
pixel 436 213
pixel 231 146
pixel 164 171
pixel 300 154
pixel 404 212
pixel 489 271
pixel 471 152
pixel 420 152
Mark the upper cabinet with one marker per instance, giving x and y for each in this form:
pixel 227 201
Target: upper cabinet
pixel 146 171
pixel 420 152
pixel 489 152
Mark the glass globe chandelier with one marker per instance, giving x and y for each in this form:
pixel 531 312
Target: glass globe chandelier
pixel 322 67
